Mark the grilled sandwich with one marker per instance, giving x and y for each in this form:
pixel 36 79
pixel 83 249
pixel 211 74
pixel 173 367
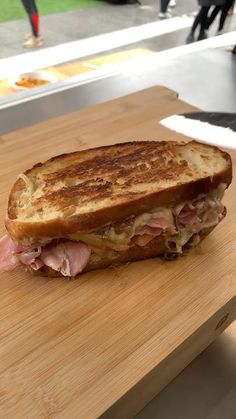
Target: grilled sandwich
pixel 98 207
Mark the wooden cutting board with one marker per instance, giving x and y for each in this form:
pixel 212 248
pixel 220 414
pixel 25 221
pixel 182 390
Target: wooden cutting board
pixel 108 342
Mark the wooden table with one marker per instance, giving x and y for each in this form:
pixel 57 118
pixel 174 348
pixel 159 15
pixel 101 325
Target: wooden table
pixel 108 342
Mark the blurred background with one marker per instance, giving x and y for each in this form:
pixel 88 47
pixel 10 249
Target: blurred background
pixel 68 38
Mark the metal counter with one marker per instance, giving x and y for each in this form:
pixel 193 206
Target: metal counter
pixel 206 79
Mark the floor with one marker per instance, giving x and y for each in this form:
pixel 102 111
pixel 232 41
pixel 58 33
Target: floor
pixel 71 26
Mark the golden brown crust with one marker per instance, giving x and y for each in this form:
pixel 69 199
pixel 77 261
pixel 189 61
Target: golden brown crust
pixel 123 202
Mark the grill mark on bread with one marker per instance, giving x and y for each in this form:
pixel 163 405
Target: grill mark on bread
pixel 94 187
pixel 132 166
pixel 78 191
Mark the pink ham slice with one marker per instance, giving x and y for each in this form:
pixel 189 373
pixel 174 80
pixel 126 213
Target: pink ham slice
pixel 146 229
pixel 153 228
pixel 8 251
pixel 141 240
pixel 209 208
pixel 188 218
pixel 28 256
pixel 12 255
pixel 67 257
pixel 36 264
pixel 193 216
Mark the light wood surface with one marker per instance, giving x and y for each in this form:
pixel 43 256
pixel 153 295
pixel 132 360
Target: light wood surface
pixel 108 342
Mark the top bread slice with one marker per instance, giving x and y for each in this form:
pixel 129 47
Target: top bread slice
pixel 85 190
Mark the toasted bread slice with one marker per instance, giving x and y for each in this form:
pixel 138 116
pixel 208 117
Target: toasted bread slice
pixel 85 190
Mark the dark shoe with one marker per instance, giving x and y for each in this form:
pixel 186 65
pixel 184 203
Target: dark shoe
pixel 190 38
pixel 202 35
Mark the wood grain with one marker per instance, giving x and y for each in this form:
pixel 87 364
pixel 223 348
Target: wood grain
pixel 106 343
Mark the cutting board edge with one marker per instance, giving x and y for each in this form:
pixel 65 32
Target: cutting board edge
pixel 129 405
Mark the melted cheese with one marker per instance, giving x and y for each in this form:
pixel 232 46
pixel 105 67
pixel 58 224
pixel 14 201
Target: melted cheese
pixel 110 239
pixel 219 191
pixel 119 241
pixel 99 242
pixel 160 212
pixel 180 240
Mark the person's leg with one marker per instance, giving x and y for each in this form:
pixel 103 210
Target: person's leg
pixel 212 16
pixel 35 40
pixel 203 22
pixel 196 22
pixel 164 6
pixel 231 10
pixel 35 18
pixel 201 17
pixel 224 13
pixel 31 9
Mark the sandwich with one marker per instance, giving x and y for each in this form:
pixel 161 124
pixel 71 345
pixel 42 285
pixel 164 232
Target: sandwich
pixel 115 204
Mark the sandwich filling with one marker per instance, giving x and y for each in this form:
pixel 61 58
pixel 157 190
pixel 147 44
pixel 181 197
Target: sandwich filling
pixel 178 226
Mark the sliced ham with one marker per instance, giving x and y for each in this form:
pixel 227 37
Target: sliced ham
pixel 162 223
pixel 28 256
pixel 12 255
pixel 213 212
pixel 153 228
pixel 67 257
pixel 189 219
pixel 196 215
pixel 146 229
pixel 141 240
pixel 210 205
pixel 36 264
pixel 8 250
